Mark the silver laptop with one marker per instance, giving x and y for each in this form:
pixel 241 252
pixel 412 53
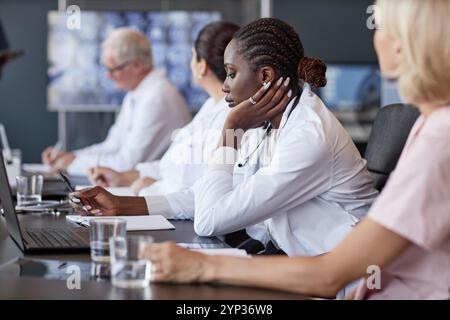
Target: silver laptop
pixel 63 237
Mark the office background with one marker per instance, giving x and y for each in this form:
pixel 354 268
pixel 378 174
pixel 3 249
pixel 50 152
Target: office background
pixel 332 30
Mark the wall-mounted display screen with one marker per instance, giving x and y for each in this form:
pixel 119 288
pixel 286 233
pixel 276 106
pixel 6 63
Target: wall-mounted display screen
pixel 352 87
pixel 77 80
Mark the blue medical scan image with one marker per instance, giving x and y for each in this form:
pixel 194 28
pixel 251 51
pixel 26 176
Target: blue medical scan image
pixel 77 79
pixel 352 88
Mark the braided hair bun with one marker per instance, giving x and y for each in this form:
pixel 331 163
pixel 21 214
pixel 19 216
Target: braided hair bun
pixel 273 42
pixel 312 71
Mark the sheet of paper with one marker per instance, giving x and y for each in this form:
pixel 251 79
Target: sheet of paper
pixel 224 252
pixel 36 168
pixel 214 251
pixel 134 223
pixel 117 191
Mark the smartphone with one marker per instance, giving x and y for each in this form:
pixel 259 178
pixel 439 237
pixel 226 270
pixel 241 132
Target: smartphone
pixel 66 181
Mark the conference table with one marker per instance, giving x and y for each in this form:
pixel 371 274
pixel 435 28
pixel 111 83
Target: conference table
pixel 31 276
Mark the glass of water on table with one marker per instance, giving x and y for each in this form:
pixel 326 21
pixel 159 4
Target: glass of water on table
pixel 29 189
pixel 129 269
pixel 101 230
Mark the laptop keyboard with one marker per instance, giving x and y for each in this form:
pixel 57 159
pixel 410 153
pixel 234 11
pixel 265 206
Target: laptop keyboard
pixel 58 238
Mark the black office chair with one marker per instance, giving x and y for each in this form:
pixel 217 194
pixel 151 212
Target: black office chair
pixel 387 139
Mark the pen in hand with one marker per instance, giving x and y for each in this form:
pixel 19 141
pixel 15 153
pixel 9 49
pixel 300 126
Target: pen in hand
pixel 97 175
pixel 83 209
pixel 74 200
pixel 54 152
pixel 99 156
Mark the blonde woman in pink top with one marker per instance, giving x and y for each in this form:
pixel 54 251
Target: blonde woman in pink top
pixel 402 250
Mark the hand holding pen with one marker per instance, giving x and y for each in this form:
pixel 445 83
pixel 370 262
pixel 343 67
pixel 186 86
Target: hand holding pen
pixel 95 201
pixel 75 201
pixel 51 154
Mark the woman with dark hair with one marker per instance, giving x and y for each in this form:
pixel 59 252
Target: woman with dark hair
pixel 402 249
pixel 296 174
pixel 163 181
pixel 304 178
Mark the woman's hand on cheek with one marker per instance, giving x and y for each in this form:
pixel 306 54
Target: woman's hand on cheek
pixel 266 103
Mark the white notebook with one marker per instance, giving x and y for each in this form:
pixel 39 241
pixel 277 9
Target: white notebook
pixel 224 252
pixel 134 223
pixel 117 191
pixel 203 248
pixel 36 168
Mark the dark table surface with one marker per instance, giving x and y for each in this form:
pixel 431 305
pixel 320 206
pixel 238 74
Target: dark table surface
pixel 15 285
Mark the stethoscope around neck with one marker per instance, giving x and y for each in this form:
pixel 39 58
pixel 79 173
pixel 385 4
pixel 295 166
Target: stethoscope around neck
pixel 268 127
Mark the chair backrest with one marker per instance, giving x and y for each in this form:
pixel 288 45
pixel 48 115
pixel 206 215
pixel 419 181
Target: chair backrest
pixel 387 139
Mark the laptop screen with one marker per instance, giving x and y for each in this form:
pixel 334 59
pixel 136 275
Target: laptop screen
pixel 8 206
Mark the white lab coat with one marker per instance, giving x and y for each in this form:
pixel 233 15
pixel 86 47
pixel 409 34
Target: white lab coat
pixel 309 187
pixel 184 162
pixel 143 129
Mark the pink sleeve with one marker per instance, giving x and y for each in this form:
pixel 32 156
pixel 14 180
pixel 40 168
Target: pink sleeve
pixel 416 200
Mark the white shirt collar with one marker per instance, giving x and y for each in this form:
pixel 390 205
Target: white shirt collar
pixel 152 76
